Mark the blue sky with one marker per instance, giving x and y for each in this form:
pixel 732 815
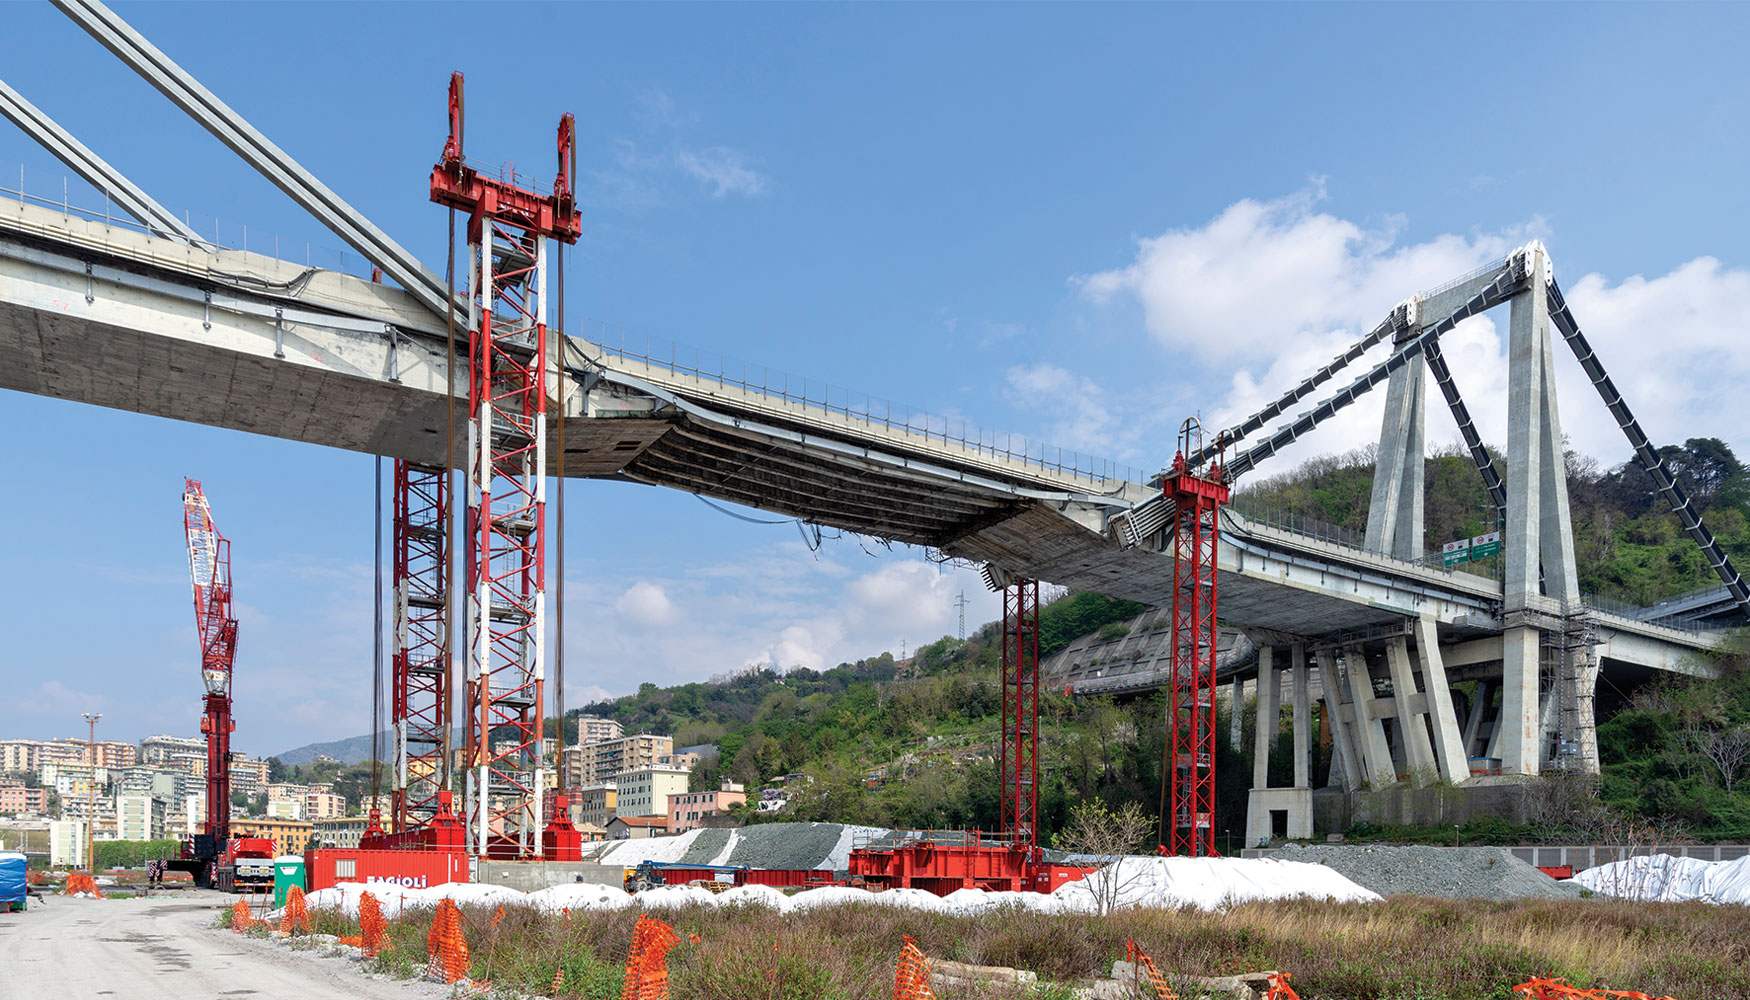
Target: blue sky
pixel 1079 223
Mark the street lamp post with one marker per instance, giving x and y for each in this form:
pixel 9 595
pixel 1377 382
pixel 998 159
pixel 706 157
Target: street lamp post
pixel 91 798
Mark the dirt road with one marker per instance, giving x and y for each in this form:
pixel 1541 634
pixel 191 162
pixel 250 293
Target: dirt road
pixel 164 948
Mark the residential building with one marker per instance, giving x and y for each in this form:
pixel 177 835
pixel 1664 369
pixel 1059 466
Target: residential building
pixel 159 749
pixel 687 810
pixel 595 729
pixel 248 776
pixel 289 836
pixel 20 756
pixel 286 790
pixel 139 817
pixel 72 778
pixel 680 759
pixel 636 827
pixel 285 809
pixel 644 791
pixel 324 805
pixel 192 815
pixel 340 831
pixel 81 806
pixel 115 753
pixel 67 839
pixel 384 804
pixel 192 763
pixel 15 799
pixel 594 763
pixel 594 805
pixel 168 786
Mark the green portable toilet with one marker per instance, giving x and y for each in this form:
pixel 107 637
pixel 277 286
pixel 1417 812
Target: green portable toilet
pixel 288 870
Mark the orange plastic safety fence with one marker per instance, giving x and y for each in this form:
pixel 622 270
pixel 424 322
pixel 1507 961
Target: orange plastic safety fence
pixel 79 882
pixel 1158 982
pixel 1279 988
pixel 354 940
pixel 911 980
pixel 296 915
pixel 647 962
pixel 559 980
pixel 372 926
pixel 240 918
pixel 1557 989
pixel 446 947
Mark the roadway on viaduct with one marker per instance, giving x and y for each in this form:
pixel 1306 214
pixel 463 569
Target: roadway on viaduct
pixel 96 312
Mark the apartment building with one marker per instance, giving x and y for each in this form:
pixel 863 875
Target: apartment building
pixel 139 817
pixel 15 799
pixel 159 749
pixel 594 729
pixel 248 776
pixel 644 791
pixel 689 810
pixel 289 836
pixel 67 840
pixel 595 804
pixel 323 805
pixel 340 831
pixel 594 763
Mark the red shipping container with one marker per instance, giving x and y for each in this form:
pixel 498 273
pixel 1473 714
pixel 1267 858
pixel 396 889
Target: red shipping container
pixel 413 869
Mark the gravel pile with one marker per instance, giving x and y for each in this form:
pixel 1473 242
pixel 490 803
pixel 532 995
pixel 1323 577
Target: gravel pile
pixel 705 847
pixel 1447 872
pixel 792 845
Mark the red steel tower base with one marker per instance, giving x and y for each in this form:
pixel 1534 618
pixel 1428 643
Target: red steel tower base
pixel 1194 543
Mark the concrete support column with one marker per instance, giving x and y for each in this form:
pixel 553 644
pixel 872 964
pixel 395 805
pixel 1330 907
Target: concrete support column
pixel 1346 763
pixel 1236 723
pixel 1302 716
pixel 1374 749
pixel 1418 750
pixel 1519 725
pixel 1480 705
pixel 1394 514
pixel 1266 726
pixel 1449 745
pixel 1540 579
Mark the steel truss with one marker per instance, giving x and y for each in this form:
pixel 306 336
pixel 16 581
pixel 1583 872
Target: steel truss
pixel 1018 768
pixel 508 231
pixel 421 692
pixel 1194 542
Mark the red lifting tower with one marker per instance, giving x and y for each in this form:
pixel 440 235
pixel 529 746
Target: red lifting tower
pixel 420 693
pixel 1194 543
pixel 509 227
pixel 209 572
pixel 1018 767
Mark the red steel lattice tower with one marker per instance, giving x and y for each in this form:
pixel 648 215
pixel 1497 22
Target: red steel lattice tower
pixel 1194 542
pixel 1018 767
pixel 420 692
pixel 509 227
pixel 209 573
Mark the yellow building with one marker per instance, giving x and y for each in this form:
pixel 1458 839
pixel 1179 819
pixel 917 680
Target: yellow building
pixel 289 836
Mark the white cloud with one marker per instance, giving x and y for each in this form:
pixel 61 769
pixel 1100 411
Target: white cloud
pixel 1264 275
pixel 646 605
pixel 722 171
pixel 1266 292
pixel 1079 409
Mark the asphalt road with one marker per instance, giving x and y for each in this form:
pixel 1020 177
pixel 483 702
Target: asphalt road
pixel 165 948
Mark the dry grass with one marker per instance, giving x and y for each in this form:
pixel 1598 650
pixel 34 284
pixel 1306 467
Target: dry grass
pixel 1402 949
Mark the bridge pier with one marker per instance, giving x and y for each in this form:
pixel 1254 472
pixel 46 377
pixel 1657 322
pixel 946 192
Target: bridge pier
pixel 1264 802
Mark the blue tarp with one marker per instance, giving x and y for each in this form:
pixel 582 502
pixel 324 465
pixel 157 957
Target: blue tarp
pixel 12 865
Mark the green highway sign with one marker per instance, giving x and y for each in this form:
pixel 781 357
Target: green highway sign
pixel 1453 553
pixel 1484 546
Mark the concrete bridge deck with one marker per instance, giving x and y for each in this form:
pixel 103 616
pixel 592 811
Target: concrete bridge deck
pixel 98 313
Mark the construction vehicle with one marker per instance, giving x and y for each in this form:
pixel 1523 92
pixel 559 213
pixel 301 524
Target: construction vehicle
pixel 650 874
pixel 213 857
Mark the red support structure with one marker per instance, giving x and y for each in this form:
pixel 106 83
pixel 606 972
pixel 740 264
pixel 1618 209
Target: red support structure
pixel 420 713
pixel 1018 767
pixel 1194 543
pixel 209 570
pixel 508 230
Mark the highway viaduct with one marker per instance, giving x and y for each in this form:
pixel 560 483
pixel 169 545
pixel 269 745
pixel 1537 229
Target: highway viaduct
pixel 97 311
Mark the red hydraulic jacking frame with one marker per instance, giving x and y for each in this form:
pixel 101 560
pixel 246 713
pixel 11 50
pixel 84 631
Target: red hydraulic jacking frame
pixel 420 713
pixel 209 567
pixel 508 230
pixel 1018 765
pixel 1194 542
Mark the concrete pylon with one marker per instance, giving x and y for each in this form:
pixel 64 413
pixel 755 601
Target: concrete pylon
pixel 1540 583
pixel 1394 514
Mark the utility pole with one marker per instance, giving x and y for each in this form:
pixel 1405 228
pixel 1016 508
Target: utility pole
pixel 91 797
